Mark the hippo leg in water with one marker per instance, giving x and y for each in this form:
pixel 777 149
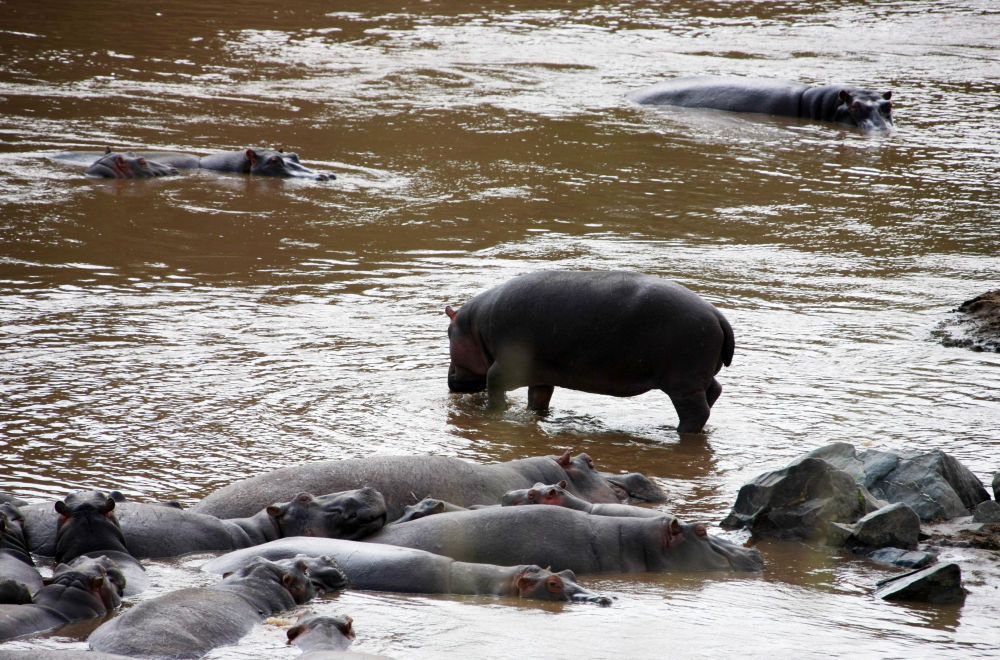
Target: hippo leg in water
pixel 113 165
pixel 557 495
pixel 851 106
pixel 563 538
pixel 378 567
pixel 614 333
pixel 261 162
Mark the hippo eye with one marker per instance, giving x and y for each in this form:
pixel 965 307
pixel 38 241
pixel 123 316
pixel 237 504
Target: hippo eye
pixel 532 495
pixel 274 160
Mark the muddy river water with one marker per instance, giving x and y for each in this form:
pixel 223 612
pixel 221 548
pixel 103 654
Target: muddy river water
pixel 166 337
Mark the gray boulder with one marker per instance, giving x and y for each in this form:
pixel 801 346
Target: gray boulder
pixel 801 501
pixel 937 584
pixel 987 512
pixel 902 558
pixel 895 525
pixel 933 484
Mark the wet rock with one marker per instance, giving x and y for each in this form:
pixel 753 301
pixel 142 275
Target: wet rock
pixel 801 501
pixel 937 584
pixel 895 525
pixel 902 558
pixel 987 512
pixel 935 485
pixel 976 326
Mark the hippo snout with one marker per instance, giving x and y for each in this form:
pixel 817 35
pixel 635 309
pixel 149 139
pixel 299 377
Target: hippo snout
pixel 465 384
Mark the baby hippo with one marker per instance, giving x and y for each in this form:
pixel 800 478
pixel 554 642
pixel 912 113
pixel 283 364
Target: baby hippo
pixel 325 637
pixel 557 495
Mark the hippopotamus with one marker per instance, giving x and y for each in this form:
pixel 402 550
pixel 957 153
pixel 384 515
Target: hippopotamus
pixel 254 161
pixel 860 108
pixel 114 165
pixel 428 506
pixel 378 567
pixel 557 495
pixel 404 479
pixel 158 531
pixel 635 487
pixel 86 589
pixel 16 563
pixel 616 333
pixel 566 539
pixel 191 622
pixel 325 637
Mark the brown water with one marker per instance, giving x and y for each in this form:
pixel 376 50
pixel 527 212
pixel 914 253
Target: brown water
pixel 167 337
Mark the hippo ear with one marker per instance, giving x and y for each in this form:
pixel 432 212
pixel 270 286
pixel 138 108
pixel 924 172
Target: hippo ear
pixel 887 96
pixel 275 510
pixel 671 533
pixel 438 507
pixel 565 460
pixel 109 506
pixel 346 626
pixel 302 565
pixel 117 495
pixel 845 97
pixel 251 156
pixel 450 312
pixel 562 484
pixel 107 150
pixel 62 509
pixel 294 632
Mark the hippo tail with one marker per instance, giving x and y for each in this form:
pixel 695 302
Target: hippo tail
pixel 728 342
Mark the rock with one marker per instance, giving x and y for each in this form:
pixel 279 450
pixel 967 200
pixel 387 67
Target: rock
pixel 976 326
pixel 933 484
pixel 987 512
pixel 937 584
pixel 902 558
pixel 800 501
pixel 895 525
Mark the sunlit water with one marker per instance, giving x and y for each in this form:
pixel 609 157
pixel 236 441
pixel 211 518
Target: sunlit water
pixel 167 337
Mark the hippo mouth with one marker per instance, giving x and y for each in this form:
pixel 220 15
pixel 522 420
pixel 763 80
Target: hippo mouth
pixel 748 560
pixel 466 385
pixel 367 526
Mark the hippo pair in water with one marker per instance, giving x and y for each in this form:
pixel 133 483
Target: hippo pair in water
pixel 254 161
pixel 850 106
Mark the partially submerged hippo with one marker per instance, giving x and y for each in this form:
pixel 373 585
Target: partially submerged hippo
pixel 428 506
pixel 114 165
pixel 86 589
pixel 254 161
pixel 325 638
pixel 191 622
pixel 635 487
pixel 567 539
pixel 617 333
pixel 861 108
pixel 379 567
pixel 403 479
pixel 557 495
pixel 16 563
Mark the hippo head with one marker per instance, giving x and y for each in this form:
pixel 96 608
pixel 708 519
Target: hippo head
pixel 99 577
pixel 324 572
pixel 268 162
pixel 352 514
pixel 634 487
pixel 469 363
pixel 425 507
pixel 542 584
pixel 690 547
pixel 866 110
pixel 329 633
pixel 113 165
pixel 86 523
pixel 586 481
pixel 290 573
pixel 553 494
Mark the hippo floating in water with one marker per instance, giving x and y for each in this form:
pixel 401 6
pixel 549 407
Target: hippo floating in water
pixel 566 539
pixel 254 161
pixel 402 480
pixel 861 108
pixel 114 165
pixel 616 333
pixel 378 567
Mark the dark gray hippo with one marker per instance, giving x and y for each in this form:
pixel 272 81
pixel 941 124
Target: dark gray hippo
pixel 557 495
pixel 86 589
pixel 16 563
pixel 254 161
pixel 377 567
pixel 403 480
pixel 114 165
pixel 616 333
pixel 574 540
pixel 189 623
pixel 156 531
pixel 860 108
pixel 325 638
pixel 635 487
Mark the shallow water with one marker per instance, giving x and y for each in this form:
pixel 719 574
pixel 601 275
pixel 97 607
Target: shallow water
pixel 166 337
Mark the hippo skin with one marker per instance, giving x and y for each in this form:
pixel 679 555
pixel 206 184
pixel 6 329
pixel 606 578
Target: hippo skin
pixel 566 539
pixel 615 333
pixel 114 165
pixel 16 563
pixel 188 623
pixel 402 480
pixel 557 495
pixel 379 567
pixel 325 638
pixel 851 106
pixel 254 161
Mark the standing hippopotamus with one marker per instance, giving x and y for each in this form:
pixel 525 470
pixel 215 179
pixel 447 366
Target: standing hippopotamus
pixel 557 495
pixel 616 333
pixel 191 622
pixel 377 567
pixel 402 479
pixel 86 589
pixel 574 540
pixel 113 165
pixel 16 563
pixel 860 108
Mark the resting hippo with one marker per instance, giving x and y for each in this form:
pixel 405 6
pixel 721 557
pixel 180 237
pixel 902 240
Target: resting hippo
pixel 861 108
pixel 86 589
pixel 635 487
pixel 405 479
pixel 557 495
pixel 325 637
pixel 614 333
pixel 427 507
pixel 158 531
pixel 191 622
pixel 378 567
pixel 113 165
pixel 15 559
pixel 567 539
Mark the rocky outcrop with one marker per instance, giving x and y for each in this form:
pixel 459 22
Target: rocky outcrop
pixel 976 325
pixel 937 584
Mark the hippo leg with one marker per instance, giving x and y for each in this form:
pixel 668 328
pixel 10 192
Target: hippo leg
pixel 692 409
pixel 496 388
pixel 539 397
pixel 713 392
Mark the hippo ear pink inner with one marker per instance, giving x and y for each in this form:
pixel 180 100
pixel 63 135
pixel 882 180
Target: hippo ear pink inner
pixel 450 312
pixel 565 460
pixel 887 96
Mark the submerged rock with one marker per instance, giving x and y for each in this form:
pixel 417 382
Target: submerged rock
pixel 902 558
pixel 937 584
pixel 976 326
